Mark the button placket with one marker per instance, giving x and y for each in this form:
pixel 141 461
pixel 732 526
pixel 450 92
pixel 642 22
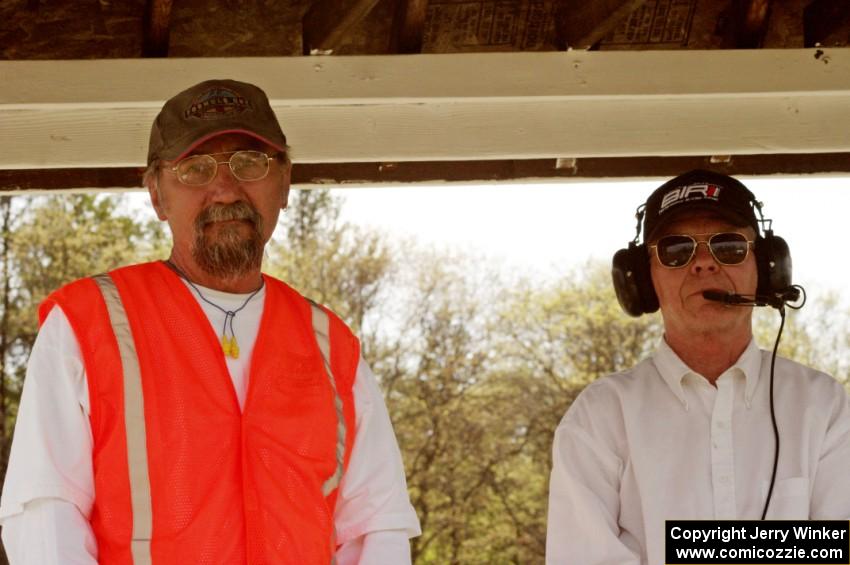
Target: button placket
pixel 722 455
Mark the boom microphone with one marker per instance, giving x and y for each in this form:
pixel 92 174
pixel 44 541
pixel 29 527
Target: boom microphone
pixel 778 300
pixel 730 298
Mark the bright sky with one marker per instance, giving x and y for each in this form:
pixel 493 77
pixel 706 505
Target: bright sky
pixel 551 228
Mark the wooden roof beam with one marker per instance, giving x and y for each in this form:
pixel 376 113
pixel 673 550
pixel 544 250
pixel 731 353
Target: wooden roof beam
pixel 481 106
pixel 311 175
pixel 157 28
pixel 327 21
pixel 580 24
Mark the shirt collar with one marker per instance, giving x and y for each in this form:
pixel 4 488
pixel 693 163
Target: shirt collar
pixel 673 370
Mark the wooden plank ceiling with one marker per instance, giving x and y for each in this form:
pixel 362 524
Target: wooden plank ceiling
pixel 186 29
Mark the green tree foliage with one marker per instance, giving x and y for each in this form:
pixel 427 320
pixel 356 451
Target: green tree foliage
pixel 434 368
pixel 329 261
pixel 49 241
pixel 554 339
pixel 9 384
pixel 62 238
pixel 817 335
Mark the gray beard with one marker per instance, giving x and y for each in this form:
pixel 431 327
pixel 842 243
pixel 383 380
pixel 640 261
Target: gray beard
pixel 230 254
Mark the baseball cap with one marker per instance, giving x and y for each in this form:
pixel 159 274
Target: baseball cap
pixel 208 109
pixel 699 190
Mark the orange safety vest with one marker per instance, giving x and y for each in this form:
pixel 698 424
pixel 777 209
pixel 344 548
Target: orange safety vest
pixel 225 486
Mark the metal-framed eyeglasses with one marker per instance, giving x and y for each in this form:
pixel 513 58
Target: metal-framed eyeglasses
pixel 677 251
pixel 197 170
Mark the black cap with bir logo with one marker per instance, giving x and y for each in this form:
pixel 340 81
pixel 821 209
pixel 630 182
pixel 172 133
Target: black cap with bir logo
pixel 208 109
pixel 699 190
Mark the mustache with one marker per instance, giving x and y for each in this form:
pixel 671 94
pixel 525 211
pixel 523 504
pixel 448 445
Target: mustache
pixel 240 210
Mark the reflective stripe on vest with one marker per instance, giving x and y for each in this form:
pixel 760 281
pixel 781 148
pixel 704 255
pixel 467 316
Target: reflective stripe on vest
pixel 134 415
pixel 134 422
pixel 321 328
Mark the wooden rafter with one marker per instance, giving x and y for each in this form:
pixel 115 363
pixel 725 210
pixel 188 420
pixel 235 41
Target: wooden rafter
pixel 747 24
pixel 327 21
pixel 580 24
pixel 408 24
pixel 823 17
pixel 157 28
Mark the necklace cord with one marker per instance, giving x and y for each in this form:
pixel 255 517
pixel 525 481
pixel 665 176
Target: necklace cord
pixel 229 345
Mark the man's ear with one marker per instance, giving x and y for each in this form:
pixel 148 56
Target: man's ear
pixel 284 202
pixel 156 198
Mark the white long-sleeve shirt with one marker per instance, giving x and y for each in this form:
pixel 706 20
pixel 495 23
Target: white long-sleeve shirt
pixel 660 442
pixel 49 489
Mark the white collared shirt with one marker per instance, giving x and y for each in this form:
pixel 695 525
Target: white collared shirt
pixel 49 489
pixel 660 442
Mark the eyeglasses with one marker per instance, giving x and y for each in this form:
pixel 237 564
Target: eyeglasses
pixel 202 169
pixel 676 251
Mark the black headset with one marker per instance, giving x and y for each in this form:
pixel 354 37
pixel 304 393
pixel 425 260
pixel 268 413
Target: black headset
pixel 633 282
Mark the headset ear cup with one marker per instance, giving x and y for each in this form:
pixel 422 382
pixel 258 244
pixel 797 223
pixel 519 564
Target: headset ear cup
pixel 625 286
pixel 644 279
pixel 632 281
pixel 773 260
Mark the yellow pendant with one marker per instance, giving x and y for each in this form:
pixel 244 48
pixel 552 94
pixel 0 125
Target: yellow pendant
pixel 230 347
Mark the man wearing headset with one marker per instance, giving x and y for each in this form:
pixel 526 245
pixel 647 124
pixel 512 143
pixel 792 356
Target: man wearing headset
pixel 688 433
pixel 196 410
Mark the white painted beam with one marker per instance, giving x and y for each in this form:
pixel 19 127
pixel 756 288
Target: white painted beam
pixel 449 107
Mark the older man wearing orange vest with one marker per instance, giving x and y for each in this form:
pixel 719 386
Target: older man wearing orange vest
pixel 195 410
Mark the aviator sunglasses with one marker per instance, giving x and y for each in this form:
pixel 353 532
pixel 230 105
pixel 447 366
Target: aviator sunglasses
pixel 202 169
pixel 727 248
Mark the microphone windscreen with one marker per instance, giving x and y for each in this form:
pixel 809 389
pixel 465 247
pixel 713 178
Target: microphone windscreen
pixel 716 296
pixel 791 294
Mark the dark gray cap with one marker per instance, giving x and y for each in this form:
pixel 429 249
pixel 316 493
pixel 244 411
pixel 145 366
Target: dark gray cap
pixel 208 109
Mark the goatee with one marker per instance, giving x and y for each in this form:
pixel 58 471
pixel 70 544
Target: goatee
pixel 230 253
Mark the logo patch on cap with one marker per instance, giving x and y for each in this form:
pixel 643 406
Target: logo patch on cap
pixel 217 103
pixel 699 191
